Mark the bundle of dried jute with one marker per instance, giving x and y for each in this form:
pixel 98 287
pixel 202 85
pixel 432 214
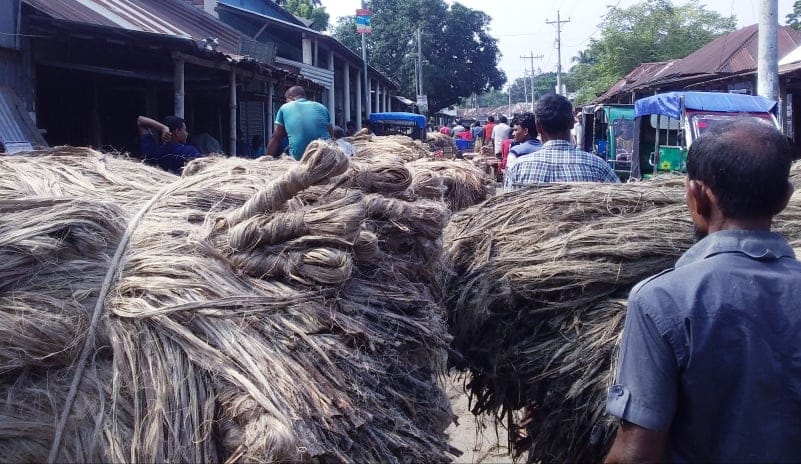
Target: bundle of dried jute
pixel 536 299
pixel 251 310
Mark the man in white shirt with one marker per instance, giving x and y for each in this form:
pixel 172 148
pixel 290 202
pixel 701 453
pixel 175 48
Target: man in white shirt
pixel 501 132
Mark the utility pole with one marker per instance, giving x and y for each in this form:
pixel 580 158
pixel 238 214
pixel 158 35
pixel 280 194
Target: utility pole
pixel 419 63
pixel 531 58
pixel 558 23
pixel 768 58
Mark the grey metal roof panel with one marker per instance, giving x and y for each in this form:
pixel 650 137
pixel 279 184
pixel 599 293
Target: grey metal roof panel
pixel 16 128
pixel 167 17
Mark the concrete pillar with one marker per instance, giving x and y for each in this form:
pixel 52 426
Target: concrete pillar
pixel 270 110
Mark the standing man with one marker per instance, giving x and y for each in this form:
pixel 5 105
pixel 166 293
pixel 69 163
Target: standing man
pixel 710 360
pixel 501 132
pixel 524 133
pixel 558 160
pixel 302 121
pixel 478 135
pixel 488 127
pixel 173 153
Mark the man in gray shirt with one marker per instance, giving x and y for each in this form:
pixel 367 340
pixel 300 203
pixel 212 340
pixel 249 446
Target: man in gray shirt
pixel 710 360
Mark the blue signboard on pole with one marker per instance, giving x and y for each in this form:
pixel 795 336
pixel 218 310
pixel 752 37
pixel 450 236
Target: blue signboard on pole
pixel 363 25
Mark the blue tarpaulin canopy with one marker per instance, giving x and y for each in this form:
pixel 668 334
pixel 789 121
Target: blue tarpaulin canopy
pixel 406 119
pixel 669 104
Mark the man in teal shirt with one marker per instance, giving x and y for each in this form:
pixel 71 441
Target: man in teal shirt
pixel 301 121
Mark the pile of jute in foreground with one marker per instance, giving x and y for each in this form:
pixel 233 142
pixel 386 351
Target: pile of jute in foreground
pixel 251 311
pixel 537 300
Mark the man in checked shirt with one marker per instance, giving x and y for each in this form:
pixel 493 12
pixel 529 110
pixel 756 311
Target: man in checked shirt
pixel 558 160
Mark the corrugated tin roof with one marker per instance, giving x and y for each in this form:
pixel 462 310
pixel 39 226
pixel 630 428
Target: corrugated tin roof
pixel 732 53
pixel 16 128
pixel 638 78
pixel 165 17
pixel 792 57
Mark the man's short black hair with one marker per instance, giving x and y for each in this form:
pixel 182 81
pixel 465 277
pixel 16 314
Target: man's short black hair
pixel 174 123
pixel 746 164
pixel 491 119
pixel 554 113
pixel 528 121
pixel 503 120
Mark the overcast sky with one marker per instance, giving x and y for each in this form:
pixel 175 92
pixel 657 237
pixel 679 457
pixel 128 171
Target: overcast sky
pixel 521 29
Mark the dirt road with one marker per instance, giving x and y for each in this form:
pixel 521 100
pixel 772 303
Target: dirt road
pixel 479 444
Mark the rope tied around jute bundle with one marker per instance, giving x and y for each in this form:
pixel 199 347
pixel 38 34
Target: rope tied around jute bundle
pixel 424 217
pixel 339 218
pixel 321 161
pixel 89 341
pixel 385 175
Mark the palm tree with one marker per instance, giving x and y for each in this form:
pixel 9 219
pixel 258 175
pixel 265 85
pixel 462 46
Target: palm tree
pixel 583 57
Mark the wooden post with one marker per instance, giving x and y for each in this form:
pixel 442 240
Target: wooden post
pixel 179 86
pixel 346 79
pixel 232 136
pixel 270 110
pixel 359 84
pixel 332 102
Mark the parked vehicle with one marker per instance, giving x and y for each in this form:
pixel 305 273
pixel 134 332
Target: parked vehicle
pixel 667 124
pixel 410 124
pixel 609 133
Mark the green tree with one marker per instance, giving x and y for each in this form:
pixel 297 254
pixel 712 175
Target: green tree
pixel 459 56
pixel 646 32
pixel 494 97
pixel 794 18
pixel 308 9
pixel 543 83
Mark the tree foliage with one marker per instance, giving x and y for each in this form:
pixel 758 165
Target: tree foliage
pixel 543 83
pixel 646 32
pixel 308 9
pixel 459 55
pixel 794 18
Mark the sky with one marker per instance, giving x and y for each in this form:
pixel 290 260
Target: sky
pixel 521 29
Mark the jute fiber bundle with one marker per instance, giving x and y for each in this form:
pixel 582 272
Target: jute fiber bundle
pixel 536 300
pixel 465 184
pixel 251 311
pixel 402 146
pixel 456 182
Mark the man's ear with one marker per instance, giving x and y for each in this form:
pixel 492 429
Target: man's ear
pixel 790 190
pixel 698 199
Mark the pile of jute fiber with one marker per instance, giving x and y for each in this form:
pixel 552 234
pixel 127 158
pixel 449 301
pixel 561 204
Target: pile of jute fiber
pixel 250 311
pixel 402 146
pixel 457 182
pixel 537 297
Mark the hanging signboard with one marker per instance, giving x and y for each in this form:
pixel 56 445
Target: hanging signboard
pixel 363 24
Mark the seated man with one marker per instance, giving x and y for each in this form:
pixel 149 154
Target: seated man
pixel 557 160
pixel 524 133
pixel 173 153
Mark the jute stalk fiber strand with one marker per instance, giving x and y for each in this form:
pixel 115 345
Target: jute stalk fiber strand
pixel 225 337
pixel 537 296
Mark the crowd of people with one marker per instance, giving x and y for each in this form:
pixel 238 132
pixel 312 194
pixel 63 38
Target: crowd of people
pixel 538 147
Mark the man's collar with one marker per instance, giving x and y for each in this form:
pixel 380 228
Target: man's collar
pixel 757 244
